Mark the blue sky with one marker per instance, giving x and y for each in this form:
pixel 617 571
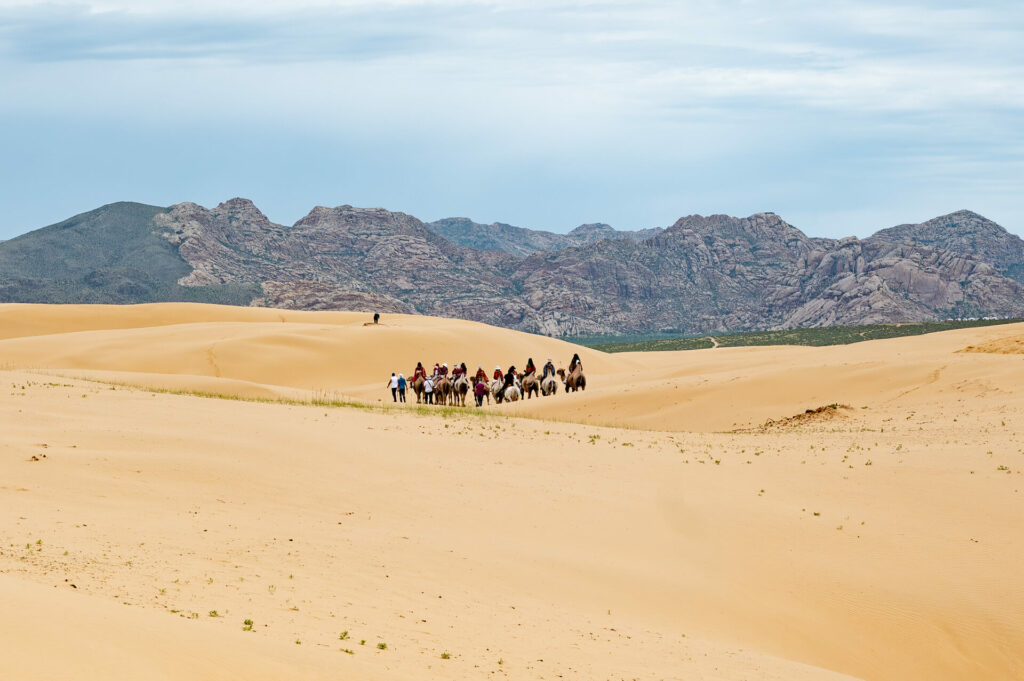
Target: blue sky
pixel 843 117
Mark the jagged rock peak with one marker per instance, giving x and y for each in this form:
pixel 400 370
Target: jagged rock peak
pixel 238 204
pixel 962 213
pixel 726 223
pixel 346 211
pixel 593 227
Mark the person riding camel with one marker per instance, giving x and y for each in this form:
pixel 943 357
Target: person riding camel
pixel 456 372
pixel 437 370
pixel 549 368
pixel 575 363
pixel 420 372
pixel 443 371
pixel 510 377
pixel 481 375
pixel 530 368
pixel 465 371
pixel 498 376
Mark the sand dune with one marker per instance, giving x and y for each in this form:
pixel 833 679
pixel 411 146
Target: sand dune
pixel 331 351
pixel 877 542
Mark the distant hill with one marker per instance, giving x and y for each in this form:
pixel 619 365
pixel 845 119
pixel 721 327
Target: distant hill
pixel 520 241
pixel 710 274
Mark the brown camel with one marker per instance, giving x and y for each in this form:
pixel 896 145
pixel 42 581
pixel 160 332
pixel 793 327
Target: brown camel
pixel 575 381
pixel 417 387
pixel 442 391
pixel 459 390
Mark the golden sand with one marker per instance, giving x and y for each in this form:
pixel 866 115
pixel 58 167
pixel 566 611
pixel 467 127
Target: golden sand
pixel 655 526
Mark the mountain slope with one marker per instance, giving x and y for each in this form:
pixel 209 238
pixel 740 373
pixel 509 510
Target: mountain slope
pixel 109 255
pixel 965 232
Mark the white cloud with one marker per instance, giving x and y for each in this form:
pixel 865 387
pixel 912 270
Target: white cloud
pixel 655 102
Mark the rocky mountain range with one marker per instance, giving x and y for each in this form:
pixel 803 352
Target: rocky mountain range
pixel 700 275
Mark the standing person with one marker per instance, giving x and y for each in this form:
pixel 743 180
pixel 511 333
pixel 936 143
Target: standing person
pixel 401 388
pixel 480 390
pixel 376 317
pixel 393 384
pixel 428 390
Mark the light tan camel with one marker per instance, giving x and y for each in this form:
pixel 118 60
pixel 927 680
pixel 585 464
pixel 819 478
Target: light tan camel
pixel 417 387
pixel 495 390
pixel 549 386
pixel 531 386
pixel 513 393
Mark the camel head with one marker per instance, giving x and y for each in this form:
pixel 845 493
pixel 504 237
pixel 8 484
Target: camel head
pixel 561 374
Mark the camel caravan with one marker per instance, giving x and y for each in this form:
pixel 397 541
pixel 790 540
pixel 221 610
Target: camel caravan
pixel 501 386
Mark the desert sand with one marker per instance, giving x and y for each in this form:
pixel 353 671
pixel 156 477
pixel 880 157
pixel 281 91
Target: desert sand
pixel 683 518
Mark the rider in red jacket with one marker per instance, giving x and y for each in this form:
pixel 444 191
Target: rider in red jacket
pixel 498 376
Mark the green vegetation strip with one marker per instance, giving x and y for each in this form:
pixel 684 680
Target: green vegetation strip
pixel 831 335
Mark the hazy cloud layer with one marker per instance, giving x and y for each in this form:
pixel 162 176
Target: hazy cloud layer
pixel 843 117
